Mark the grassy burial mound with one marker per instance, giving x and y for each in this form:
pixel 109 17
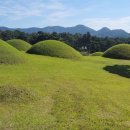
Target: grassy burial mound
pixel 55 49
pixel 97 54
pixel 9 55
pixel 19 44
pixel 120 51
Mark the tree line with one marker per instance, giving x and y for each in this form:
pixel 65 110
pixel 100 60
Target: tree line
pixel 81 42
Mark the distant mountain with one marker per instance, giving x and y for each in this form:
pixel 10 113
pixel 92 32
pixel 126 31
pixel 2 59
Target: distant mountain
pixel 80 29
pixel 5 28
pixel 104 32
pixel 120 33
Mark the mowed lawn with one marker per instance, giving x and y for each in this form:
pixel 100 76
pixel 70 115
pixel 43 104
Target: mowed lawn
pixel 67 95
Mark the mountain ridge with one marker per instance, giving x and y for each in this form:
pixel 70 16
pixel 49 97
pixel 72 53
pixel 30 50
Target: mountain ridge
pixel 103 32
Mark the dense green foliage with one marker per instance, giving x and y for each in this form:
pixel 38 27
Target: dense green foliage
pixel 9 55
pixel 19 44
pixel 97 54
pixel 80 42
pixel 121 51
pixel 73 95
pixel 54 48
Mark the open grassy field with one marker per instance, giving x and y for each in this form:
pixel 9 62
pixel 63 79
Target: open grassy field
pixel 47 93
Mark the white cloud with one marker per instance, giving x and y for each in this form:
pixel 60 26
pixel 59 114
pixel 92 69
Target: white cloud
pixel 56 12
pixel 59 15
pixel 16 11
pixel 23 9
pixel 118 23
pixel 55 5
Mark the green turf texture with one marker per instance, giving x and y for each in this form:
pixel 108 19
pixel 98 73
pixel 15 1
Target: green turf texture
pixel 54 48
pixel 9 54
pixel 120 51
pixel 12 94
pixel 72 94
pixel 19 44
pixel 97 54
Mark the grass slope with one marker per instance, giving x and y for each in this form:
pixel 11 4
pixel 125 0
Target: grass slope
pixel 19 44
pixel 9 55
pixel 120 51
pixel 74 95
pixel 55 49
pixel 97 54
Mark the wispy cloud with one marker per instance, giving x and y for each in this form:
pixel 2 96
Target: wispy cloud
pixel 92 13
pixel 59 16
pixel 118 23
pixel 16 10
pixel 20 9
pixel 55 5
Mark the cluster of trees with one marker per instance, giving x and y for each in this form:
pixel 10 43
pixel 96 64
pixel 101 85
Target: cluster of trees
pixel 84 42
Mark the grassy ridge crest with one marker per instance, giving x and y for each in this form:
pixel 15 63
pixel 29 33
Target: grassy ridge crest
pixel 9 55
pixel 54 48
pixel 120 51
pixel 19 44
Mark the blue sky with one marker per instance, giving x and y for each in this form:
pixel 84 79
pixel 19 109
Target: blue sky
pixel 40 13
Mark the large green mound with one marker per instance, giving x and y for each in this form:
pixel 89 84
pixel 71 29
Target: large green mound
pixel 14 94
pixel 19 44
pixel 55 49
pixel 97 54
pixel 120 51
pixel 9 55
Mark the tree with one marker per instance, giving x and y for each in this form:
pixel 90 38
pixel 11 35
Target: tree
pixel 86 42
pixel 81 42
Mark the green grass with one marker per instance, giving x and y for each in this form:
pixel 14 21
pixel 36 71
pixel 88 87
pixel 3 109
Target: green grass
pixel 70 95
pixel 97 54
pixel 12 94
pixel 9 55
pixel 19 44
pixel 55 49
pixel 120 51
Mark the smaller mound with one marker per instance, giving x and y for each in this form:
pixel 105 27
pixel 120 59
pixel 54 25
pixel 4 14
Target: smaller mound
pixel 13 94
pixel 9 55
pixel 54 48
pixel 84 53
pixel 120 51
pixel 19 44
pixel 97 54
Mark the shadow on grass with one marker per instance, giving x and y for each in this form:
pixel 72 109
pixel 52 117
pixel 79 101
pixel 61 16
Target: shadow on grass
pixel 122 70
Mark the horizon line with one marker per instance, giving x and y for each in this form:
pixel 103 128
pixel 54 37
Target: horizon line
pixel 65 27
